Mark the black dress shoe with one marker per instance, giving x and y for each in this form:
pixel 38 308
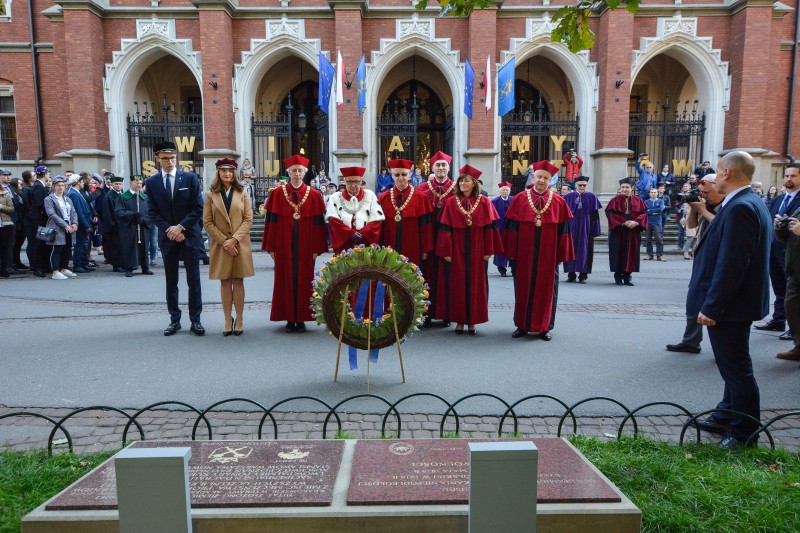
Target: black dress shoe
pixel 786 335
pixel 519 333
pixel 148 272
pixel 571 280
pixel 582 281
pixel 300 326
pixel 471 331
pixel 172 329
pixel 459 331
pixel 446 323
pixel 546 336
pixel 427 322
pixel 21 266
pixel 205 261
pixel 119 269
pixel 290 328
pixel 628 282
pixel 712 426
pixel 618 282
pixel 198 329
pixel 682 347
pixel 732 443
pixel 128 274
pixel 38 273
pixel 772 325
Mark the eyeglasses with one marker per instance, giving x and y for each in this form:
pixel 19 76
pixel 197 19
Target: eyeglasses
pixel 581 185
pixel 171 158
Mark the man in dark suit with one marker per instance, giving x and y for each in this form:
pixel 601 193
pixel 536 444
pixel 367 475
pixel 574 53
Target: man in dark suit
pixel 175 206
pixel 37 254
pixel 784 204
pixel 729 289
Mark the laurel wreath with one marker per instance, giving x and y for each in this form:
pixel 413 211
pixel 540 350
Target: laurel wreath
pixel 345 273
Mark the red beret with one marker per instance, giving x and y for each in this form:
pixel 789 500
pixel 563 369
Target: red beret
pixel 295 160
pixel 352 171
pixel 226 163
pixel 401 163
pixel 504 184
pixel 441 155
pixel 470 171
pixel 546 165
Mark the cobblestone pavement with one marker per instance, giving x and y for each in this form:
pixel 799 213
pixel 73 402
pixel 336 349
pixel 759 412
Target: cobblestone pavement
pixel 97 431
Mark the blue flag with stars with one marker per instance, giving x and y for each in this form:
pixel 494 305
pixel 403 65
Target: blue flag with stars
pixel 469 88
pixel 361 83
pixel 326 74
pixel 505 87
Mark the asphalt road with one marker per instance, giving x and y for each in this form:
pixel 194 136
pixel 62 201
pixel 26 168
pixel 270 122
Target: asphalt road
pixel 97 340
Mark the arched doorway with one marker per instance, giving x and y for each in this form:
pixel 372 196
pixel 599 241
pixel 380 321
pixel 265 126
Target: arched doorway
pixel 416 115
pixel 666 121
pixel 167 105
pixel 286 121
pixel 544 123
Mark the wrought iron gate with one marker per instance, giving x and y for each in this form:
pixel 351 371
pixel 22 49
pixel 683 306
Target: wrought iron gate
pixel 532 133
pixel 145 128
pixel 667 136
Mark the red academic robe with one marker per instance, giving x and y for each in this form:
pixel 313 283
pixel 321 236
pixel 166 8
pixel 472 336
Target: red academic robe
pixel 537 251
pixel 464 283
pixel 624 243
pixel 294 243
pixel 433 264
pixel 413 235
pixel 341 234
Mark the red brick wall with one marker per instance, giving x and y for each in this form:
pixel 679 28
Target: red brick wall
pixel 217 54
pixel 482 32
pixel 613 54
pixel 348 42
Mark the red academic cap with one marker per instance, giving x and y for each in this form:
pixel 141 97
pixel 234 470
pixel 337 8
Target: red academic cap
pixel 401 163
pixel 352 171
pixel 547 166
pixel 504 184
pixel 441 155
pixel 470 171
pixel 226 163
pixel 295 160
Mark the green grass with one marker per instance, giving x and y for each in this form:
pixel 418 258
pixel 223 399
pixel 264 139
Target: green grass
pixel 702 488
pixel 29 479
pixel 694 488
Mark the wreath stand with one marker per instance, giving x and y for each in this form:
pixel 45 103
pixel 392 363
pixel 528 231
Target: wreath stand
pixel 369 337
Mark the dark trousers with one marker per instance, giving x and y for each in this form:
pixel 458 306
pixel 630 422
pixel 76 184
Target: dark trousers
pixel 6 248
pixel 792 302
pixel 19 238
pixel 731 344
pixel 693 334
pixel 37 250
pixel 60 253
pixel 655 232
pixel 777 276
pixel 111 249
pixel 80 253
pixel 172 257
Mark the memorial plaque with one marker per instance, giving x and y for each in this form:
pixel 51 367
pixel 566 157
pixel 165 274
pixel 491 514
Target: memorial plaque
pixel 231 474
pixel 436 471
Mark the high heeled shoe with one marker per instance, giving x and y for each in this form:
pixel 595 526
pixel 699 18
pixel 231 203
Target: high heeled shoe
pixel 228 327
pixel 459 331
pixel 238 329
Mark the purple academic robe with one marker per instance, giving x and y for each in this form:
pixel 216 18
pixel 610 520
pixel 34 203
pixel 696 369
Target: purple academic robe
pixel 500 205
pixel 585 226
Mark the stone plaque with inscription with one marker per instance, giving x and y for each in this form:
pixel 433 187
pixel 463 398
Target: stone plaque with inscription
pixel 436 471
pixel 231 474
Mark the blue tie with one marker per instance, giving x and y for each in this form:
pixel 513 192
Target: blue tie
pixel 169 187
pixel 784 204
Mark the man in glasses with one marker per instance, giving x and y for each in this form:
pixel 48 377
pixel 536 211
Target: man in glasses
pixel 585 226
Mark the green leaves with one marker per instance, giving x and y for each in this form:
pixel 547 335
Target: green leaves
pixel 572 22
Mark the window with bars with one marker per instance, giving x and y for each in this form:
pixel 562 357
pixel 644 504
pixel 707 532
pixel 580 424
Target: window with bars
pixel 8 126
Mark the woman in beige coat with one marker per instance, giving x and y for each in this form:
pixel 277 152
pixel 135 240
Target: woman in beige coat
pixel 227 217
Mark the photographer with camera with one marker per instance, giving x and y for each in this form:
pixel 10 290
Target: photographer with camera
pixel 787 231
pixel 700 214
pixel 573 163
pixel 786 203
pixel 647 177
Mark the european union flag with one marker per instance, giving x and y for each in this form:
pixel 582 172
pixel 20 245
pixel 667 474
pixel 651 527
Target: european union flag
pixel 505 87
pixel 326 74
pixel 361 81
pixel 469 87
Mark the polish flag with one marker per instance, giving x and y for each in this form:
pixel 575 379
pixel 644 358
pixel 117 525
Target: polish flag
pixel 488 85
pixel 339 80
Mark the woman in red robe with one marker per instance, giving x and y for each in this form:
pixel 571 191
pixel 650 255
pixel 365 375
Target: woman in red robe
pixel 294 235
pixel 627 219
pixel 468 237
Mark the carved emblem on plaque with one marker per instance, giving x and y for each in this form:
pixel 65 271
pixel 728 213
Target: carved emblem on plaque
pixel 229 454
pixel 401 448
pixel 293 455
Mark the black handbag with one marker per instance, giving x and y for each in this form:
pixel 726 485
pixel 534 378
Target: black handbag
pixel 48 235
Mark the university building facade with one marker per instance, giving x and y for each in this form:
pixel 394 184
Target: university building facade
pixel 90 84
